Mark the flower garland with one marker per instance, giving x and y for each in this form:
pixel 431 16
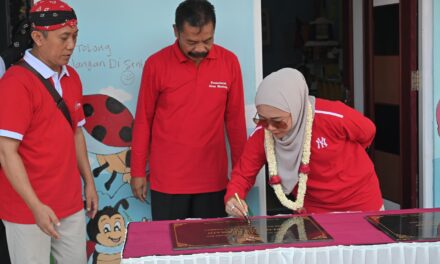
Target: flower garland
pixel 304 168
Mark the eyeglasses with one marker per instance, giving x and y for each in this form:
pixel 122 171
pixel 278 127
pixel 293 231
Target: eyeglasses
pixel 277 124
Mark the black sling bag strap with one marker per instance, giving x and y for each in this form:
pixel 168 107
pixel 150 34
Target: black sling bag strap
pixel 55 95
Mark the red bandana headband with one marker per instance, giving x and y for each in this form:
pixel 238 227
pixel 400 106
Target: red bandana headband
pixel 50 15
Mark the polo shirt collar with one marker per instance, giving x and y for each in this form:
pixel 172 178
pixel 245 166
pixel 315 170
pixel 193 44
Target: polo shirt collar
pixel 42 68
pixel 182 58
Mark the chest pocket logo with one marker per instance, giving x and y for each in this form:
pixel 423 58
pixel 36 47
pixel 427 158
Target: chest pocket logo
pixel 321 143
pixel 218 85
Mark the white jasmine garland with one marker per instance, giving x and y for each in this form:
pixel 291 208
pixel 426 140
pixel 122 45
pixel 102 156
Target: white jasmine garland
pixel 305 159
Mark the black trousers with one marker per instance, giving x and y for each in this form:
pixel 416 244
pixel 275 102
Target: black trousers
pixel 180 206
pixel 4 253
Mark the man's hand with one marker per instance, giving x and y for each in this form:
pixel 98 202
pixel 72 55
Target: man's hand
pixel 139 187
pixel 91 200
pixel 45 218
pixel 12 166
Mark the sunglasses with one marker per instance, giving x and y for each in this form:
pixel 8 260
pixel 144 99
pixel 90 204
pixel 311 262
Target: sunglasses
pixel 277 124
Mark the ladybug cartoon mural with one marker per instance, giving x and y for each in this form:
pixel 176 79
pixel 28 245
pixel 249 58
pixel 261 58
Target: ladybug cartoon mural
pixel 109 131
pixel 107 232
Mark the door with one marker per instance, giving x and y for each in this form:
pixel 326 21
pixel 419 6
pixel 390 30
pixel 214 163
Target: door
pixel 315 37
pixel 391 95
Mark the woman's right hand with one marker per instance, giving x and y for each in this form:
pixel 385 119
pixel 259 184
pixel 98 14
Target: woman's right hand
pixel 234 208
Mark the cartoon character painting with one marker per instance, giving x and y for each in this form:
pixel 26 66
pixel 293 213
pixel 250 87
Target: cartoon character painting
pixel 107 230
pixel 108 127
pixel 108 136
pixel 115 163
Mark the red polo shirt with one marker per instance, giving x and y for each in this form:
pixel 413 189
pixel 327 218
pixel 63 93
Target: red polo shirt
pixel 342 175
pixel 28 113
pixel 181 118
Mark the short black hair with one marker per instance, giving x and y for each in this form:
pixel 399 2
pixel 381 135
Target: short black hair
pixel 196 13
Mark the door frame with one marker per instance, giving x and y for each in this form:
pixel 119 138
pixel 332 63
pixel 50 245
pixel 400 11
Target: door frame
pixel 409 98
pixel 426 103
pixel 409 55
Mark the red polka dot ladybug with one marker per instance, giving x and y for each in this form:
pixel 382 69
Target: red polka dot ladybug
pixel 108 120
pixel 109 127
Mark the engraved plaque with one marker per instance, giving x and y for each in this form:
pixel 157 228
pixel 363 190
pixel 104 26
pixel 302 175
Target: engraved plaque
pixel 233 232
pixel 423 226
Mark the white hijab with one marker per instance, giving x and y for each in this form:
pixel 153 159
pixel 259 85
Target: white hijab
pixel 287 90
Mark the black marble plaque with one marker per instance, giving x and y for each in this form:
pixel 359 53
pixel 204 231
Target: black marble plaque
pixel 423 226
pixel 233 232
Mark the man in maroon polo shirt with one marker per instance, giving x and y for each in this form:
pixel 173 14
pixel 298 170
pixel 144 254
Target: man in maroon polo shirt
pixel 42 151
pixel 191 93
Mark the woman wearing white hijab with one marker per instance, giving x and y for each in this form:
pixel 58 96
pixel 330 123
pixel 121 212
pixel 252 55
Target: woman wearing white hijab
pixel 315 150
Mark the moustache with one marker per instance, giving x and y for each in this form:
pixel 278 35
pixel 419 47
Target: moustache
pixel 197 54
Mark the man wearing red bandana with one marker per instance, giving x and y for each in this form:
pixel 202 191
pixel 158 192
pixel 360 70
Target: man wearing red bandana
pixel 42 148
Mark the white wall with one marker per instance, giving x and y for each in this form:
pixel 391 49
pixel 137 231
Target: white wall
pixel 426 107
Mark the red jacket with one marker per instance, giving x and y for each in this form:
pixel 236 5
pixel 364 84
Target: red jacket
pixel 342 176
pixel 181 118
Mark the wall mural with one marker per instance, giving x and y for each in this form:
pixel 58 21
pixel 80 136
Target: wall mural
pixel 114 40
pixel 106 235
pixel 108 137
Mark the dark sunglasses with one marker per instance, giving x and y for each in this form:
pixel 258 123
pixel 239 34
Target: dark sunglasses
pixel 278 124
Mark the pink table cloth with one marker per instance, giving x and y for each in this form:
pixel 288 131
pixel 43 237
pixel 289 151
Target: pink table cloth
pixel 154 238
